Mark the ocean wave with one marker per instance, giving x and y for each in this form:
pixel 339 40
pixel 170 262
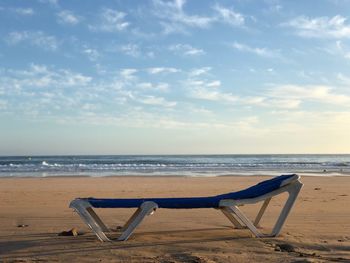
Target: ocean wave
pixel 345 164
pixel 203 165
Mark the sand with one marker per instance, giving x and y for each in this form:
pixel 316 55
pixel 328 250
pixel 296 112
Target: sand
pixel 318 227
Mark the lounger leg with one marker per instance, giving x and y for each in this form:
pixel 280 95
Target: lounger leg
pixel 235 210
pixel 231 217
pixel 261 211
pixel 131 219
pixel 87 214
pixel 293 192
pixel 144 210
pixel 98 219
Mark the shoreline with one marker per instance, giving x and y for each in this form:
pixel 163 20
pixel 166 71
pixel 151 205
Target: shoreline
pixel 193 175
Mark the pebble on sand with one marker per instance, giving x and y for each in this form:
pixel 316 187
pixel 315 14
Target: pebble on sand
pixel 22 225
pixel 285 247
pixel 72 232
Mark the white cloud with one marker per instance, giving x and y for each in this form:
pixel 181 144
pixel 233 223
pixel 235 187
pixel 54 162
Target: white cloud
pixel 283 103
pixel 145 85
pixel 51 2
pixel 213 95
pixel 68 17
pixel 259 101
pixel 199 71
pixel 320 27
pixel 75 79
pixel 279 97
pixel 273 7
pixel 200 110
pixel 157 101
pixel 263 52
pixel 322 94
pixel 175 19
pixel 158 70
pixel 34 38
pixel 91 53
pixel 50 93
pixel 163 87
pixel 214 84
pixel 269 102
pixel 229 16
pixel 201 89
pixel 186 50
pixel 170 28
pixel 42 76
pixel 344 79
pixel 131 50
pixel 137 117
pixel 110 21
pixel 341 49
pixel 128 73
pixel 44 90
pixel 24 11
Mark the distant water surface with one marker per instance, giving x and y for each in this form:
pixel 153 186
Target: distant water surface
pixel 178 165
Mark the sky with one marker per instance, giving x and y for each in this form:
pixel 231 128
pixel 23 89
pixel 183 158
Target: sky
pixel 174 77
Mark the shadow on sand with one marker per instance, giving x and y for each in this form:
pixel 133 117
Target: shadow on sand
pixel 50 245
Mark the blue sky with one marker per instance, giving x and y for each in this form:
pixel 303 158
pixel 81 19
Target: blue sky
pixel 173 77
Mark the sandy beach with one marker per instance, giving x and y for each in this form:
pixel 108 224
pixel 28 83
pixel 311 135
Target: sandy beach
pixel 34 210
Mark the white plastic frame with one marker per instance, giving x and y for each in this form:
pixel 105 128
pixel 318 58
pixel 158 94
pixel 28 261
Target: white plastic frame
pixel 230 209
pixel 88 215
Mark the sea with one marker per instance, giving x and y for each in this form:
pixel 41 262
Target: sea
pixel 174 165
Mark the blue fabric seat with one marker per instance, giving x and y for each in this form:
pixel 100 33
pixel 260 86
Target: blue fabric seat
pixel 194 202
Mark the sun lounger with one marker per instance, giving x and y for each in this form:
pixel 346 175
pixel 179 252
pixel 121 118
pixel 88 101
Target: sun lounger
pixel 227 203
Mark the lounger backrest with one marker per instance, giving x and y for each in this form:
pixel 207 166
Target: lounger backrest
pixel 261 188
